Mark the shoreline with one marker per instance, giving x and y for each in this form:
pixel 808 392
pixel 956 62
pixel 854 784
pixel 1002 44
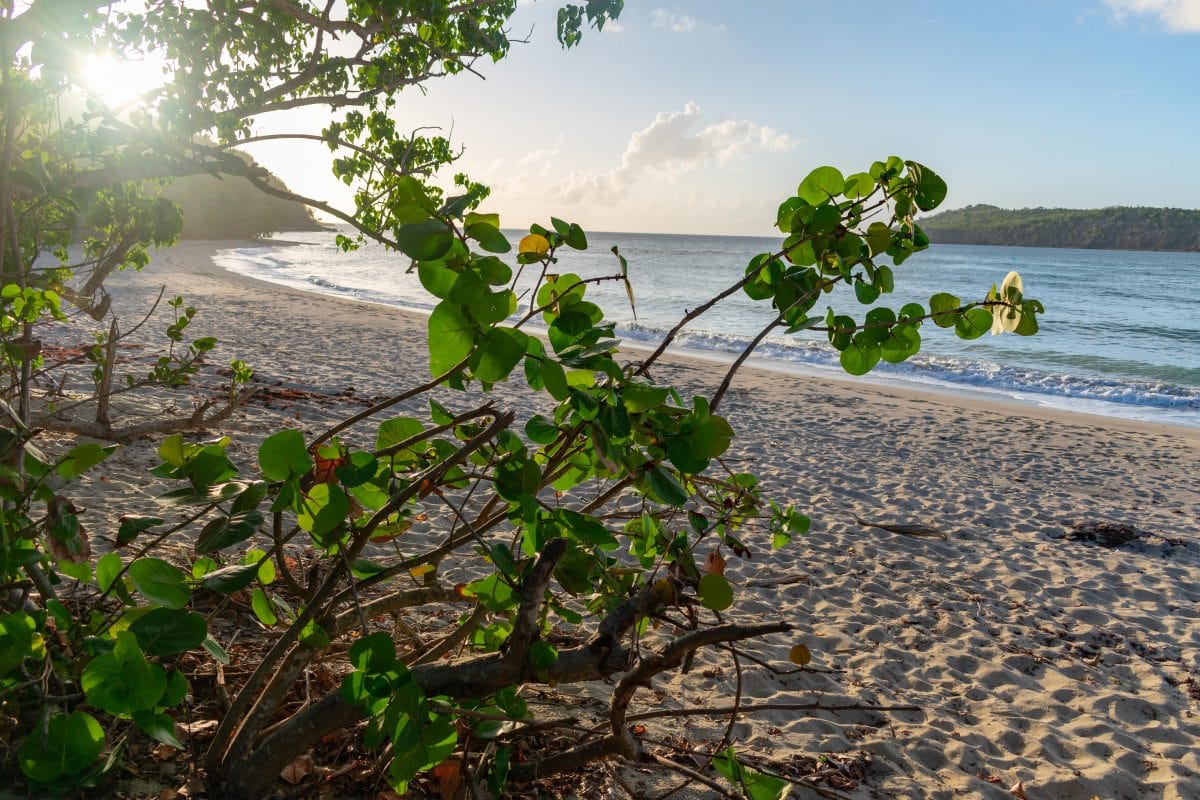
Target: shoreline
pixel 1036 659
pixel 933 386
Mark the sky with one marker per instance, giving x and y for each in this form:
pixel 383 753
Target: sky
pixel 701 116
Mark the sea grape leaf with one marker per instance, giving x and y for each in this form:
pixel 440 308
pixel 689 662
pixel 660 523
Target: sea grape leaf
pixel 715 591
pixel 233 578
pixel 108 567
pixel 665 487
pixel 122 681
pixel 451 337
pixel 167 631
pixel 261 605
pixel 72 743
pixel 931 189
pixel 821 184
pixel 82 458
pixel 222 532
pixel 160 582
pixel 942 305
pixel 862 355
pixel 499 351
pixel 424 241
pixel 973 323
pixel 757 785
pixel 283 455
pixel 158 726
pixel 322 509
pixel 396 430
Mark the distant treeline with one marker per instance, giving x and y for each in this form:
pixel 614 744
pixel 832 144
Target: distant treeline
pixel 232 208
pixel 1102 229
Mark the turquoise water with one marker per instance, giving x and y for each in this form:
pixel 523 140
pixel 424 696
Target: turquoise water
pixel 1120 336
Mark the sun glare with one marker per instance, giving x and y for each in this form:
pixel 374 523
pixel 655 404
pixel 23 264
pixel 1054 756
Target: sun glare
pixel 117 82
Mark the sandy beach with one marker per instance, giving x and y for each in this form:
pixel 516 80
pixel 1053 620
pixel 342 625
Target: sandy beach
pixel 1061 669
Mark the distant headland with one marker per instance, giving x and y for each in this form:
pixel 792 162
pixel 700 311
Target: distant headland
pixel 1118 228
pixel 230 207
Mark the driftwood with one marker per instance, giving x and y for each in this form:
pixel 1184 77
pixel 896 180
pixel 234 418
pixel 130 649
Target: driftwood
pixel 905 529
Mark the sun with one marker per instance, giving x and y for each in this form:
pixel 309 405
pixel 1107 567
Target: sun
pixel 117 82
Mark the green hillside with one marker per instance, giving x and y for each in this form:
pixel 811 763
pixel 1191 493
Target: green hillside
pixel 1105 228
pixel 231 207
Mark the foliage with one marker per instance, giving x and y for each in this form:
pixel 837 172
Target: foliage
pixel 1106 228
pixel 596 509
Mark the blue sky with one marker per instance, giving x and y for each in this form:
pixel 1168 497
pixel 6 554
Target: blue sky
pixel 700 116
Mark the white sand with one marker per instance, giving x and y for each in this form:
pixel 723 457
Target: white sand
pixel 1056 664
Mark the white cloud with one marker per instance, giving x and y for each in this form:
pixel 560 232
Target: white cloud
pixel 1177 16
pixel 679 22
pixel 670 146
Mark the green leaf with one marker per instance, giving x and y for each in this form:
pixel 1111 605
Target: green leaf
pixel 283 455
pixel 575 238
pixel 262 607
pixel 158 726
pixel 858 185
pixel 19 640
pixel 584 529
pixel 82 458
pixel 865 292
pixel 72 742
pixel 451 337
pixel 424 241
pixel 931 189
pixel 1028 325
pixel 639 397
pixel 222 532
pixel 517 477
pixel 228 580
pixel 903 343
pixel 755 784
pixel 973 323
pixel 108 567
pixel 541 430
pixel 879 238
pixel 394 431
pixel 167 631
pixel 943 305
pixel 322 508
pixel 499 351
pixel 172 450
pixel 489 236
pixel 214 649
pixel 313 635
pixel 122 681
pixel 715 592
pixel 160 582
pixel 177 689
pixel 131 526
pixel 822 184
pixel 665 487
pixel 493 307
pixel 542 655
pixel 860 356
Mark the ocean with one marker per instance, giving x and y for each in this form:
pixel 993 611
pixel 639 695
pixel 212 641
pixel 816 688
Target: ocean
pixel 1120 336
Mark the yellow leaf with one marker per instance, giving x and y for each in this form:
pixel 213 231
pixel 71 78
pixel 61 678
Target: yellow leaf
pixel 800 655
pixel 423 569
pixel 534 243
pixel 664 592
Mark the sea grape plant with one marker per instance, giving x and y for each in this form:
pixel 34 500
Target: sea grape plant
pixel 527 503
